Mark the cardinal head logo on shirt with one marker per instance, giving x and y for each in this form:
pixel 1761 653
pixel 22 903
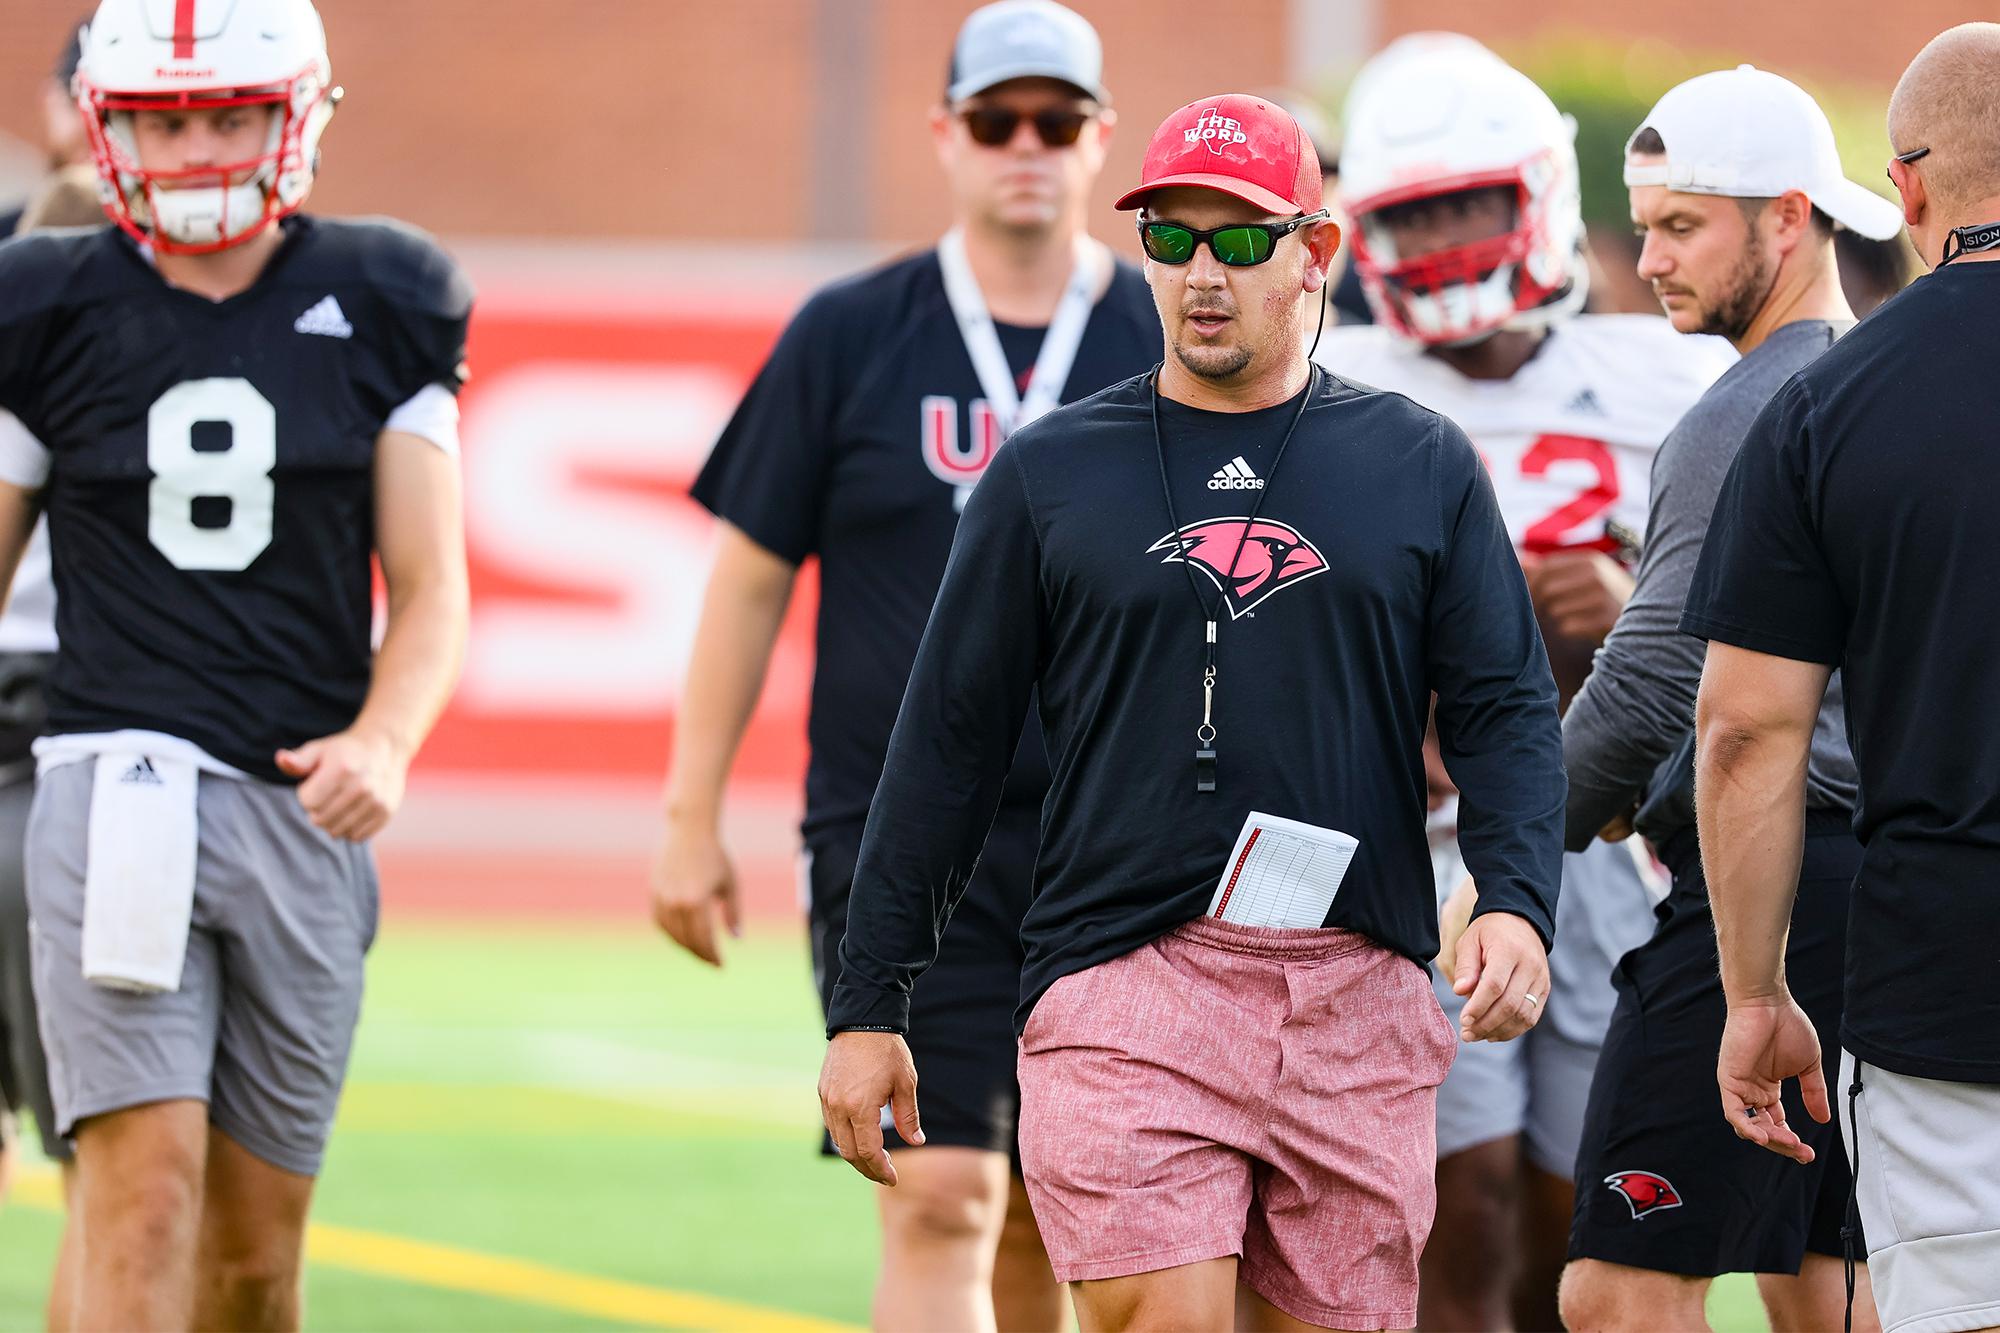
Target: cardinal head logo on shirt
pixel 1273 555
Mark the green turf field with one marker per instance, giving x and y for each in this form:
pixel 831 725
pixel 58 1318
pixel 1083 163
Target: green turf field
pixel 563 1126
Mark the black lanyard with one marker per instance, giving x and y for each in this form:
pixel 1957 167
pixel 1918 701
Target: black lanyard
pixel 1970 240
pixel 1204 755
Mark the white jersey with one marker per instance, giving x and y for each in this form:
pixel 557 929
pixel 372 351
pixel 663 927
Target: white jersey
pixel 1569 440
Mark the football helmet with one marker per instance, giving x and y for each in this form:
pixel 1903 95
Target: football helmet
pixel 141 55
pixel 1435 114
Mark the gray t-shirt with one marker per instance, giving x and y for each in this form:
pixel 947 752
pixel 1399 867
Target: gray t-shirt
pixel 1636 711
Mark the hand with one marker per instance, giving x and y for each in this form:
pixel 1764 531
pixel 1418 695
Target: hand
pixel 1579 593
pixel 865 1071
pixel 691 878
pixel 351 782
pixel 1619 827
pixel 1500 963
pixel 1453 918
pixel 1765 1042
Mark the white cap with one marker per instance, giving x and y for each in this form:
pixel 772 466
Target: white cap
pixel 1749 134
pixel 1026 39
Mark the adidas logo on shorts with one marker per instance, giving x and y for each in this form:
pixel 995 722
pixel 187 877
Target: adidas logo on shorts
pixel 1235 476
pixel 326 319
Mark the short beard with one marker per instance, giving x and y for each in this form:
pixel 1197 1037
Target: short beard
pixel 1214 363
pixel 1743 297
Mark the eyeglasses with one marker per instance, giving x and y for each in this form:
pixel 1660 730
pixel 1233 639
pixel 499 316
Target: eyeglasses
pixel 1906 158
pixel 1240 246
pixel 994 126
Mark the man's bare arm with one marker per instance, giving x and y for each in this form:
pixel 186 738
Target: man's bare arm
pixel 352 782
pixel 742 609
pixel 1754 724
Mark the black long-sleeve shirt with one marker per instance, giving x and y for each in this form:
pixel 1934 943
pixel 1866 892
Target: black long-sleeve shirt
pixel 1378 570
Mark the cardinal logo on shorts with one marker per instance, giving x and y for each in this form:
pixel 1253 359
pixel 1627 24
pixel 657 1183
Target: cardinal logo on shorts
pixel 1644 1192
pixel 1274 555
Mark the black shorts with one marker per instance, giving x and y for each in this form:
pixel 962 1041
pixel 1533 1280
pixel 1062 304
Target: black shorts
pixel 962 1009
pixel 1661 1182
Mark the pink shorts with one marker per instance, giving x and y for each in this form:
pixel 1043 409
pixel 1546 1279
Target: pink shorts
pixel 1235 1090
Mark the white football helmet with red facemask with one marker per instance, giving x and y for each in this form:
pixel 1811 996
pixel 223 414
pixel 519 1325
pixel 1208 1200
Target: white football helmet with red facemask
pixel 1437 114
pixel 141 55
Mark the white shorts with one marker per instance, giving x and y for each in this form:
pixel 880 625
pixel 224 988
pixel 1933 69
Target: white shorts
pixel 1926 1156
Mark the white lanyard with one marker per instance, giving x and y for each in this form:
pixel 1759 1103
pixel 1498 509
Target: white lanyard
pixel 982 343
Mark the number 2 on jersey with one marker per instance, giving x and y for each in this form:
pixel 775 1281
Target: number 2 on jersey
pixel 239 474
pixel 1557 531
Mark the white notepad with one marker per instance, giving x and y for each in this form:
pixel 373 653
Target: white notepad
pixel 1282 873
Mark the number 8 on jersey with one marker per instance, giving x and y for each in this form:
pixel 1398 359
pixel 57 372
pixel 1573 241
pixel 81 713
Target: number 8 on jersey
pixel 185 474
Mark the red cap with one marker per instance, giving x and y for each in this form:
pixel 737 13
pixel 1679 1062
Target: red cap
pixel 1238 144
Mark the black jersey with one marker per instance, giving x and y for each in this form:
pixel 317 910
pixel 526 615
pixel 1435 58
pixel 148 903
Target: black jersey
pixel 858 442
pixel 210 489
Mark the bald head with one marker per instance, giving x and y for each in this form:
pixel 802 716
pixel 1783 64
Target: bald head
pixel 1948 101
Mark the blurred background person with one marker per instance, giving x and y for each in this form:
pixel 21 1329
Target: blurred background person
pixel 1462 180
pixel 68 198
pixel 62 128
pixel 1345 304
pixel 1872 271
pixel 859 443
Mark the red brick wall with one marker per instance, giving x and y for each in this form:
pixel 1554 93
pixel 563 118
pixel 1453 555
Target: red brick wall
pixel 665 118
pixel 684 118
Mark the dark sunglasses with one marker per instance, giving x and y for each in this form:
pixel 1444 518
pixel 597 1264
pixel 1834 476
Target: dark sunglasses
pixel 994 126
pixel 1240 246
pixel 1906 159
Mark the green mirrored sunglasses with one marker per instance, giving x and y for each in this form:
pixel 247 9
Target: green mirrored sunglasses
pixel 1239 246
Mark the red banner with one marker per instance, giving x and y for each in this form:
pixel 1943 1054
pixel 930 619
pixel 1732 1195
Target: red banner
pixel 582 433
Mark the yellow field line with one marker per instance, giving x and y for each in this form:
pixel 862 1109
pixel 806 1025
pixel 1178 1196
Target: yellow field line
pixel 453 1269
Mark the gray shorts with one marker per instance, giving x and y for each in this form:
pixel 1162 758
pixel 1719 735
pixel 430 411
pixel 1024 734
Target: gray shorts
pixel 24 1073
pixel 262 1024
pixel 1926 1155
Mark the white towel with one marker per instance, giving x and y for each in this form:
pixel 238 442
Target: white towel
pixel 138 886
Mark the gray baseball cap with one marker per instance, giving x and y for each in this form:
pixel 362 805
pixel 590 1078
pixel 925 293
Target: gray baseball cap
pixel 1025 39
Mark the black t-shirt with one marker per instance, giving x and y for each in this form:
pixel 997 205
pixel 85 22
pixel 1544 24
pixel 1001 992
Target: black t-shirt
pixel 210 493
pixel 1379 570
pixel 1856 529
pixel 858 442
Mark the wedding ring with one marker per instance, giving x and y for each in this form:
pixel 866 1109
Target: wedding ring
pixel 1529 996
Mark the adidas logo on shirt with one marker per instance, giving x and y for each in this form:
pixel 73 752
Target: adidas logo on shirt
pixel 143 771
pixel 1235 476
pixel 325 319
pixel 1586 402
